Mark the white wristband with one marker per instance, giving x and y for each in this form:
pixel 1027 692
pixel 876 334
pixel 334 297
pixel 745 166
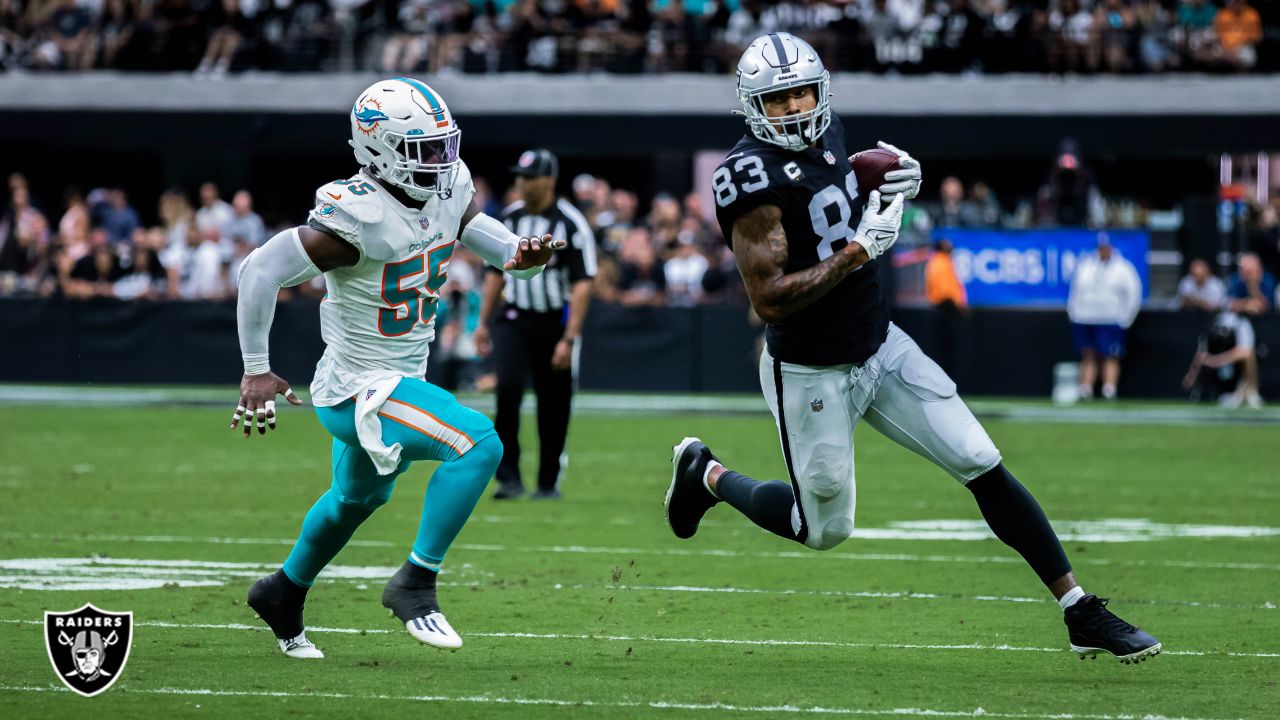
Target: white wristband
pixel 256 364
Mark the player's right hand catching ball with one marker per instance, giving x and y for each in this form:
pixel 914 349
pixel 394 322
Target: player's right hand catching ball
pixel 258 401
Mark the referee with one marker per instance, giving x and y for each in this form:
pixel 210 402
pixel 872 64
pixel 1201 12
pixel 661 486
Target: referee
pixel 537 324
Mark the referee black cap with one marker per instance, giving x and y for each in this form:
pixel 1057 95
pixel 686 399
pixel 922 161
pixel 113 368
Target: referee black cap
pixel 539 162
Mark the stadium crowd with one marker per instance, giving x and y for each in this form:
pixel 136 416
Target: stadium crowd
pixel 213 37
pixel 671 253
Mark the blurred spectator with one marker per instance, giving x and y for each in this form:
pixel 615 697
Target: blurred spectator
pixel 407 45
pixel 617 219
pixel 11 30
pixel 1265 238
pixel 1225 365
pixel 176 214
pixel 1104 299
pixel 214 213
pixel 1200 289
pixel 69 39
pixel 195 268
pixel 229 28
pixel 684 270
pixel 697 221
pixel 24 239
pixel 1251 291
pixel 73 228
pixel 117 30
pixel 664 223
pixel 119 219
pixel 951 209
pixel 145 277
pixel 1195 21
pixel 95 274
pixel 945 292
pixel 983 205
pixel 641 279
pixel 1069 195
pixel 246 226
pixel 1239 30
pixel 1156 52
pixel 584 195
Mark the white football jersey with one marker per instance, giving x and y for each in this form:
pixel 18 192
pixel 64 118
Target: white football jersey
pixel 379 314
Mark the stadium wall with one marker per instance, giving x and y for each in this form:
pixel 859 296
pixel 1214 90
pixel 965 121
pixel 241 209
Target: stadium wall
pixel 703 349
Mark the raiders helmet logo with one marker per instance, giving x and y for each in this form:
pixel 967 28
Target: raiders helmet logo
pixel 88 647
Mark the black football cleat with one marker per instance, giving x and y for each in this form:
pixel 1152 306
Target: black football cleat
pixel 687 498
pixel 279 602
pixel 411 596
pixel 1094 630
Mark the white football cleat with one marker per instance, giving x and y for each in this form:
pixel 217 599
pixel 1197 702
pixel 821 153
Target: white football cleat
pixel 301 648
pixel 432 629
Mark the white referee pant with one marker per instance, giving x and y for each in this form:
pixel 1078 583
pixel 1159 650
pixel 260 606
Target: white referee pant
pixel 901 393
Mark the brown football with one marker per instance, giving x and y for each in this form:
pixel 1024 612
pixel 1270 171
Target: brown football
pixel 870 166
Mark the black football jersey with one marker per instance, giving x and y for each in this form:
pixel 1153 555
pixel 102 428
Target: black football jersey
pixel 821 206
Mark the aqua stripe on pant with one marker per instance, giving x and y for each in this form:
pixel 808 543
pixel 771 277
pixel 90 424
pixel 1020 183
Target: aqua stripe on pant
pixel 430 424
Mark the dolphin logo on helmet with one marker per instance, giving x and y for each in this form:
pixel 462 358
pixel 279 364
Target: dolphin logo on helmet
pixel 780 61
pixel 403 130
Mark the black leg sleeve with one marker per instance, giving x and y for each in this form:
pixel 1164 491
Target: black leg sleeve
pixel 1016 518
pixel 767 504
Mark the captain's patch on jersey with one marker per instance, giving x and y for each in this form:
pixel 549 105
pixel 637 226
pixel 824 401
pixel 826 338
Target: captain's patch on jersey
pixel 793 171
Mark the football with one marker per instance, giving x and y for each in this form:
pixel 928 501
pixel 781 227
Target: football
pixel 870 166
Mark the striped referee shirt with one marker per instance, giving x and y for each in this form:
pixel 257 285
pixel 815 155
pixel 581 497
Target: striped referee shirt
pixel 549 291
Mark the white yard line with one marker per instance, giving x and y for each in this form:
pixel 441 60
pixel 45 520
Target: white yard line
pixel 618 704
pixel 109 573
pixel 662 552
pixel 676 640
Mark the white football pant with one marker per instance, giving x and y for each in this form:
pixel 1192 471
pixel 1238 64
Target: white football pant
pixel 901 393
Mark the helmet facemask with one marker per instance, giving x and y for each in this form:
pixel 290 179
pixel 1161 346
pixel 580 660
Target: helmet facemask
pixel 424 165
pixel 793 132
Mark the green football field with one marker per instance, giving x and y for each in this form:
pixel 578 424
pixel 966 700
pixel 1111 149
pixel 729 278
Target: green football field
pixel 589 607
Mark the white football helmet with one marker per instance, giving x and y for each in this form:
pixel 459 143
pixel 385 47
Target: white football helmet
pixel 779 61
pixel 403 129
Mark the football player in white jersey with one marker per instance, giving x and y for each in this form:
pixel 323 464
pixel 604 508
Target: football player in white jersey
pixel 382 239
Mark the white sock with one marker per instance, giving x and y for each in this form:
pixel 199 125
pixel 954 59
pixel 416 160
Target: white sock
pixel 1073 596
pixel 707 473
pixel 1109 392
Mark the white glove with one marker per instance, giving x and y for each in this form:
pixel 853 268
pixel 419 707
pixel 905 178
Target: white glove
pixel 878 230
pixel 906 180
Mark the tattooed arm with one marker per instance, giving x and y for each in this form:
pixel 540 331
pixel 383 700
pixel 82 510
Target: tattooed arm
pixel 760 250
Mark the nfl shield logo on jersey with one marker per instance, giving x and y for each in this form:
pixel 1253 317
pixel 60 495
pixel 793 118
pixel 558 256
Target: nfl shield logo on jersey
pixel 88 647
pixel 424 222
pixel 816 404
pixel 831 159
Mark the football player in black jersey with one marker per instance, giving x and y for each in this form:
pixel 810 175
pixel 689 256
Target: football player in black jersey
pixel 788 203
